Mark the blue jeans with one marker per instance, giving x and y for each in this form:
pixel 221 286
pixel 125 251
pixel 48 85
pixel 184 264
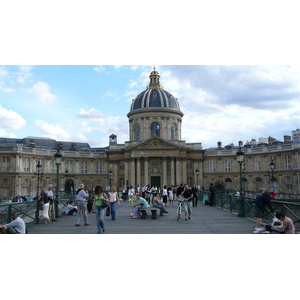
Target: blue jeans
pixel 161 207
pixel 136 210
pixel 99 211
pixel 113 207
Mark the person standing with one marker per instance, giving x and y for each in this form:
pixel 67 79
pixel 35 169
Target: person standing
pixel 179 191
pixel 212 193
pixel 45 212
pixel 89 205
pixel 165 195
pixel 170 195
pixel 81 196
pixel 50 197
pixel 131 194
pixel 188 196
pixel 194 191
pixel 100 197
pixel 113 199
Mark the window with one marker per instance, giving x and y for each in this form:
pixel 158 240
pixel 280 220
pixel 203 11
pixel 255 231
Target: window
pixel 26 164
pixel 99 167
pixel 287 162
pixel 155 129
pixel 54 167
pixel 121 182
pixel 84 167
pixel 258 183
pixel 212 165
pixel 173 132
pixel 228 184
pixel 227 165
pixel 257 161
pixel 189 164
pixel 137 131
pixel 289 188
pixel 69 166
pixel 5 163
pixel 122 165
pixel 190 181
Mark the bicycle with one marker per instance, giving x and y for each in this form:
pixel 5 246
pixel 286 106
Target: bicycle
pixel 179 209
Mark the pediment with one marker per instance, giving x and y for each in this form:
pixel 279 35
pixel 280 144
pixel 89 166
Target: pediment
pixel 155 143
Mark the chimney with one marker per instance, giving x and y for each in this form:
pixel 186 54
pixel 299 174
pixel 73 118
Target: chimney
pixel 287 138
pixel 73 147
pixel 32 143
pixel 240 143
pixel 219 145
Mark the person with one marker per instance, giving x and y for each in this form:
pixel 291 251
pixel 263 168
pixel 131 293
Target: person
pixel 188 196
pixel 194 191
pixel 113 199
pixel 100 197
pixel 81 196
pixel 131 194
pixel 262 200
pixel 51 202
pixel 170 195
pixel 212 193
pixel 179 191
pixel 125 193
pixel 142 203
pixel 45 212
pixel 70 209
pixel 17 225
pixel 165 195
pixel 157 203
pixel 288 225
pixel 89 205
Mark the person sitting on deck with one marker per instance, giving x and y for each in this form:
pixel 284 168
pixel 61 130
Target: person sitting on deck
pixel 70 209
pixel 15 226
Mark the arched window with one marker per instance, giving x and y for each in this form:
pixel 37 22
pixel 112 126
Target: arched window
pixel 137 132
pixel 258 183
pixel 228 184
pixel 155 129
pixel 173 132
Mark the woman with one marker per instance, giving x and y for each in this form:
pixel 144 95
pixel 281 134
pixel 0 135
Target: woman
pixel 131 194
pixel 113 198
pixel 90 205
pixel 43 197
pixel 165 195
pixel 100 197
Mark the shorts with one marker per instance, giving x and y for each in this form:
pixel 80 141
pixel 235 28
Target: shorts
pixel 257 212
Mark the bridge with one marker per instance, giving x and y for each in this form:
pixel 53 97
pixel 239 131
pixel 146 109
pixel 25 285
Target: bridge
pixel 224 218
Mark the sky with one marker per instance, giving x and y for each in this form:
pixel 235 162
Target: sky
pixel 87 103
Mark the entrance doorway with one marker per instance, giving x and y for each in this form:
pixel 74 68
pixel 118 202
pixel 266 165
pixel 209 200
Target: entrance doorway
pixel 155 180
pixel 69 187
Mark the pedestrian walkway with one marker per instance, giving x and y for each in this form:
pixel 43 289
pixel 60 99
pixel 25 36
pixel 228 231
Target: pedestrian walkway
pixel 204 220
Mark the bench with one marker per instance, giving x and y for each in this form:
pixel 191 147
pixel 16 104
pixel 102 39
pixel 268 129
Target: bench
pixel 143 213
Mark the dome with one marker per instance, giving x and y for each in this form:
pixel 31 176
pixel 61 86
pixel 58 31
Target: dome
pixel 155 97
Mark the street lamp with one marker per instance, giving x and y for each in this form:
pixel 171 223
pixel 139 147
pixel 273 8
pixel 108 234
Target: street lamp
pixel 58 157
pixel 272 166
pixel 197 173
pixel 39 173
pixel 240 158
pixel 110 174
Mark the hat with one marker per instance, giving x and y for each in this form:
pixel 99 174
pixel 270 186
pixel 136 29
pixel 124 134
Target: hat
pixel 81 185
pixel 274 195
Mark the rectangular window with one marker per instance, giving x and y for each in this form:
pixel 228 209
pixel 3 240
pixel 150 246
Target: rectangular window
pixel 227 165
pixel 5 163
pixel 54 167
pixel 287 162
pixel 84 167
pixel 69 166
pixel 257 163
pixel 122 165
pixel 189 164
pixel 289 188
pixel 212 165
pixel 99 167
pixel 26 164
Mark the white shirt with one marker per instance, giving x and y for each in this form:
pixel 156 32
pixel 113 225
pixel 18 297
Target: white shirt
pixel 49 193
pixel 130 192
pixel 17 224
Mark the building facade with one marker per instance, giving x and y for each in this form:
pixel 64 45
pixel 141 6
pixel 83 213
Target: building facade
pixel 155 154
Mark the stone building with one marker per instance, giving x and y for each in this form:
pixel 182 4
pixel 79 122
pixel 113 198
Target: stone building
pixel 155 154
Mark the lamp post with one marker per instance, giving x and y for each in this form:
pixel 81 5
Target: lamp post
pixel 272 166
pixel 197 173
pixel 240 158
pixel 110 174
pixel 58 157
pixel 39 173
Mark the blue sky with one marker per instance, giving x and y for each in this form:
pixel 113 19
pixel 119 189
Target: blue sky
pixel 87 103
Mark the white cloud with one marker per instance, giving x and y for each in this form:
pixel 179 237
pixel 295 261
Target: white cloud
pixel 6 90
pixel 79 137
pixel 10 119
pixel 52 131
pixel 99 69
pixel 92 114
pixel 3 72
pixel 42 92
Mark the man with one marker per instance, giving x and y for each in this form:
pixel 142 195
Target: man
pixel 188 196
pixel 157 203
pixel 81 196
pixel 194 191
pixel 15 226
pixel 212 192
pixel 51 202
pixel 262 200
pixel 288 225
pixel 142 203
pixel 179 191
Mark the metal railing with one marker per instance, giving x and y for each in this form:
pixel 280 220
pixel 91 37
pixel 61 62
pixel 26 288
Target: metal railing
pixel 232 203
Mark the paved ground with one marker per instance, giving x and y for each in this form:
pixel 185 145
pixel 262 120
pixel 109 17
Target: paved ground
pixel 204 220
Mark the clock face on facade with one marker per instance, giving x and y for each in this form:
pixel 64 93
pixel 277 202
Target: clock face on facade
pixel 155 143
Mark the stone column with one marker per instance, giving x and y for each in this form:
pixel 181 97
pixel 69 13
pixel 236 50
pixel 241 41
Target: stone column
pixel 146 170
pixel 184 177
pixel 132 180
pixel 164 175
pixel 172 171
pixel 178 171
pixel 126 168
pixel 138 172
pixel 115 180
